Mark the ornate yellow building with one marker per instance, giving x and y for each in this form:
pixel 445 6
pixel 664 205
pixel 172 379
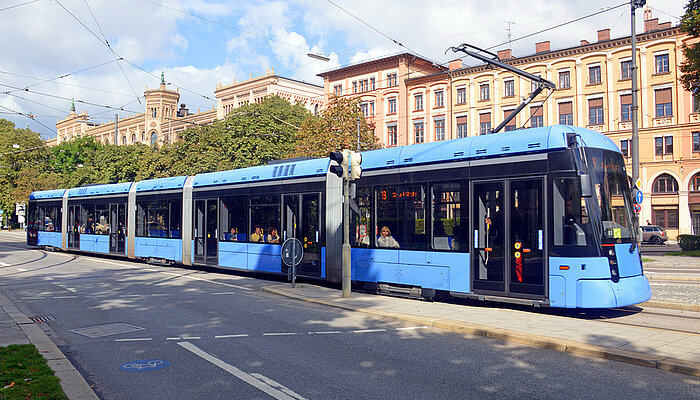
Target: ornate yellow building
pixel 409 100
pixel 163 121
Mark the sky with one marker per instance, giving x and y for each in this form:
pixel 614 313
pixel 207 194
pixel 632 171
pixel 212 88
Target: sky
pixel 105 53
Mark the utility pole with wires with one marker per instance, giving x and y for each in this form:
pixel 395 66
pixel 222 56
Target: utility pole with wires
pixel 634 4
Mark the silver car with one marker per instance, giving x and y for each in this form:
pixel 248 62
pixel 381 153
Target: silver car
pixel 654 234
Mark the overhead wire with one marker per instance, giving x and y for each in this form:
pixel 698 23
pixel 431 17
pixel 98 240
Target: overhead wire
pixel 19 5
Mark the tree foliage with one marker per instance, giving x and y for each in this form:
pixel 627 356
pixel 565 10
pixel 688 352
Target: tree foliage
pixel 336 128
pixel 251 135
pixel 690 67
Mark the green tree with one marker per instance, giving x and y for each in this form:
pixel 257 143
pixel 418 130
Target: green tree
pixel 335 129
pixel 690 67
pixel 74 161
pixel 250 135
pixel 21 151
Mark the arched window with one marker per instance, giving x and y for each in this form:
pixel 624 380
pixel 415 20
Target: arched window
pixel 695 183
pixel 143 135
pixel 665 183
pixel 316 109
pixel 133 138
pixel 154 138
pixel 123 140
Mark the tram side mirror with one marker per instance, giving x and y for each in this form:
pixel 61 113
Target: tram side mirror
pixel 586 191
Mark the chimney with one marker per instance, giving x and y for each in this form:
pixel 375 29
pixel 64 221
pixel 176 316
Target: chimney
pixel 651 24
pixel 603 34
pixel 456 64
pixel 584 42
pixel 665 25
pixel 505 54
pixel 541 47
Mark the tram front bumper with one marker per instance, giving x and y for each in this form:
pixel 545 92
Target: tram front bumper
pixel 604 293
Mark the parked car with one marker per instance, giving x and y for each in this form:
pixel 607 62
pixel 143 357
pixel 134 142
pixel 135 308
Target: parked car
pixel 654 234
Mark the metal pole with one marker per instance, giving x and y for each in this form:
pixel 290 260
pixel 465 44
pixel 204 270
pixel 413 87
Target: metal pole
pixel 635 108
pixel 294 263
pixel 347 275
pixel 358 133
pixel 116 129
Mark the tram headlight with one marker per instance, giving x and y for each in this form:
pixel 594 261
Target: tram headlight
pixel 611 252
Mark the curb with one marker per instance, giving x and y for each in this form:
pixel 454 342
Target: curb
pixel 72 383
pixel 568 346
pixel 678 277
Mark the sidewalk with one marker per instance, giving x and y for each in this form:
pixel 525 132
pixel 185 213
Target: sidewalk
pixel 649 347
pixel 16 328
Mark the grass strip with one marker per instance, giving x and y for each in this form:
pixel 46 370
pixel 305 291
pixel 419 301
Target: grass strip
pixel 694 253
pixel 24 374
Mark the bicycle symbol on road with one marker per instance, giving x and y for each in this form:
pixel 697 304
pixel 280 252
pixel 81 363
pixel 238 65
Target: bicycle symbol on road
pixel 144 365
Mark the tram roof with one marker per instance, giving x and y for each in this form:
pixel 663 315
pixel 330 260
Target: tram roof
pixel 521 141
pixel 100 190
pixel 47 194
pixel 177 182
pixel 295 169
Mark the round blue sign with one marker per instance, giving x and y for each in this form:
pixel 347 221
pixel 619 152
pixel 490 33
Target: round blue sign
pixel 639 197
pixel 144 365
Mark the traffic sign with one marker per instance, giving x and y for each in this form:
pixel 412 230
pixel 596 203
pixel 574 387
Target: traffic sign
pixel 638 183
pixel 639 197
pixel 637 208
pixel 292 250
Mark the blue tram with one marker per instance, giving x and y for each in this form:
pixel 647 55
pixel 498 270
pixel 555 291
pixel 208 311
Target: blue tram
pixel 537 216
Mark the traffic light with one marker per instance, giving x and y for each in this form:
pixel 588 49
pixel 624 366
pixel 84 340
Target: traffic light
pixel 341 166
pixel 355 165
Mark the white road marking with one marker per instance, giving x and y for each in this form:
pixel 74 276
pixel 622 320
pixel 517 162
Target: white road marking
pixel 129 295
pixel 325 333
pixel 160 294
pixel 191 337
pixel 221 293
pixel 174 338
pixel 48 278
pixel 231 336
pixel 369 330
pixel 65 297
pixel 277 385
pixel 245 377
pixel 21 270
pixel 279 334
pixel 2 264
pixel 410 328
pixel 134 340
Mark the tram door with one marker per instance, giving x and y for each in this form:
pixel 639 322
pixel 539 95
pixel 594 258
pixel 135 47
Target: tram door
pixel 206 224
pixel 509 237
pixel 117 228
pixel 74 227
pixel 302 220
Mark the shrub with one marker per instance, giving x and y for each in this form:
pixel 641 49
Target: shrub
pixel 689 242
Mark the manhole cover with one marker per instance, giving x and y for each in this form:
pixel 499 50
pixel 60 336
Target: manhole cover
pixel 43 319
pixel 106 330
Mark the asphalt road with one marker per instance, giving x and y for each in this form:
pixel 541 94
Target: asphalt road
pixel 224 338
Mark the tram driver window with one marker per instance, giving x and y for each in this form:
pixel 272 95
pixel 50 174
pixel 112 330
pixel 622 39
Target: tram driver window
pixel 571 222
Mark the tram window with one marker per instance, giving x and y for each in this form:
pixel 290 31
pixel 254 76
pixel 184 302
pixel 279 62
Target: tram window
pixel 157 219
pixel 264 214
pixel 175 219
pixel 141 210
pixel 360 221
pixel 33 217
pixel 571 222
pixel 449 217
pixel 233 219
pixel 402 210
pixel 101 226
pixel 41 218
pixel 88 215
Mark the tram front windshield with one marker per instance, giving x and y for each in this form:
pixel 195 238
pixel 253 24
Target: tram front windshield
pixel 611 191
